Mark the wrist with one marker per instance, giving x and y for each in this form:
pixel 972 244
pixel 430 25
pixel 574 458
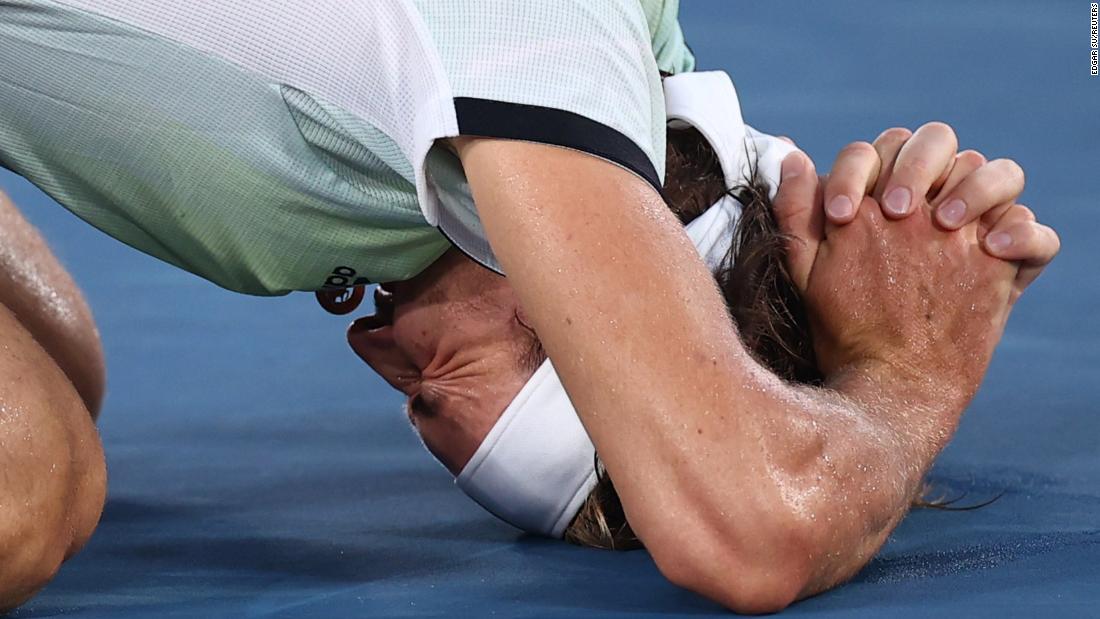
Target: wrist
pixel 917 403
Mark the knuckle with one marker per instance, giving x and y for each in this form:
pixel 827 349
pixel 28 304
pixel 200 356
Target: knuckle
pixel 864 149
pixel 1012 170
pixel 1034 245
pixel 1023 212
pixel 894 134
pixel 980 194
pixel 1046 241
pixel 811 167
pixel 913 168
pixel 938 128
pixel 1055 240
pixel 972 157
pixel 1023 234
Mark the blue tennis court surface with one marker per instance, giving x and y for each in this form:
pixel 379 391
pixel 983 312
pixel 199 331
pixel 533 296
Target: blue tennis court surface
pixel 259 470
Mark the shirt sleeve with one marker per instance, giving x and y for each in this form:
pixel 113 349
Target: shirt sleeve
pixel 671 51
pixel 579 74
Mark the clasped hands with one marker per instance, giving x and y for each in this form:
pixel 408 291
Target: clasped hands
pixel 909 254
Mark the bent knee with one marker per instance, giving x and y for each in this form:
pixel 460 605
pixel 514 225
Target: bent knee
pixel 43 296
pixel 32 548
pixel 54 482
pixel 28 567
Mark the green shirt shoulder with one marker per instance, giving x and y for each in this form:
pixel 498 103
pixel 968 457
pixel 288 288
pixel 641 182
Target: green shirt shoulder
pixel 669 47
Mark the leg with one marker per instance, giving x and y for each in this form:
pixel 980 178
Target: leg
pixel 54 476
pixel 51 382
pixel 39 292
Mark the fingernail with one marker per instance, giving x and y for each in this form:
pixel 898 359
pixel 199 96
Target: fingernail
pixel 840 207
pixel 998 241
pixel 897 201
pixel 952 213
pixel 793 165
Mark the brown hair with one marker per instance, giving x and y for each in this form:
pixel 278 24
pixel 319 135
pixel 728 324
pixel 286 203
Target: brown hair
pixel 762 301
pixel 757 288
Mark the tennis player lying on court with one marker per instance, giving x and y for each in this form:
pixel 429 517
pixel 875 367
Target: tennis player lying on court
pixel 457 341
pixel 730 220
pixel 269 148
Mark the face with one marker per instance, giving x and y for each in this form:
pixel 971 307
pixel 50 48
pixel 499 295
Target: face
pixel 453 341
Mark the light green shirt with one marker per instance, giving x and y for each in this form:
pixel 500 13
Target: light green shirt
pixel 288 146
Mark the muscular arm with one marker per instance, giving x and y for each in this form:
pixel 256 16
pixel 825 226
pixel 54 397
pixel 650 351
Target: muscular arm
pixel 745 489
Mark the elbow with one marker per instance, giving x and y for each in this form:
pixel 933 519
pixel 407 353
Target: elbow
pixel 752 570
pixel 756 592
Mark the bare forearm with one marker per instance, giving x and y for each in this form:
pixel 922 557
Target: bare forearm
pixel 735 481
pixel 867 440
pixel 808 485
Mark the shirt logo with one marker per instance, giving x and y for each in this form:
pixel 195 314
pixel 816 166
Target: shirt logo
pixel 344 277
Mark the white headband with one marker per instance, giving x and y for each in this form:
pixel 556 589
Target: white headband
pixel 537 465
